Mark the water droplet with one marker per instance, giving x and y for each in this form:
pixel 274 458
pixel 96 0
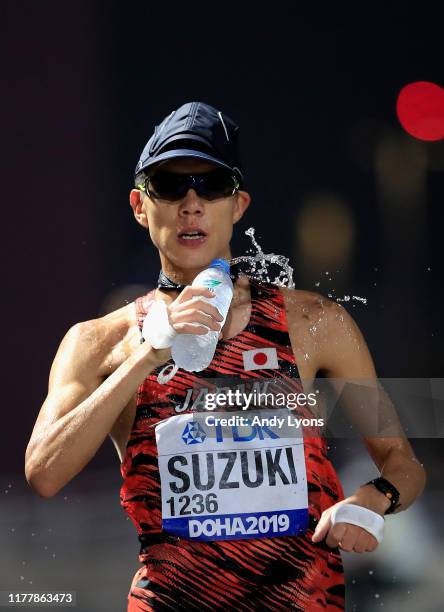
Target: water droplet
pixel 22 577
pixel 370 572
pixel 317 284
pixel 377 595
pixel 360 299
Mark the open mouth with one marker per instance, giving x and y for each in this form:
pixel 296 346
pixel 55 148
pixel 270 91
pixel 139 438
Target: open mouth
pixel 192 235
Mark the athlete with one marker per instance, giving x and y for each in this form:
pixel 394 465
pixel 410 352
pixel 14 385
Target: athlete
pixel 278 546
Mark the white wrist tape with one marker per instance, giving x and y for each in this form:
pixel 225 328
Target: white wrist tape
pixel 156 327
pixel 362 517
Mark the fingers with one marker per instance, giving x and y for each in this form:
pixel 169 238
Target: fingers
pixel 351 538
pixel 197 304
pixel 190 292
pixel 336 534
pixel 190 315
pixel 179 319
pixel 190 328
pixel 322 527
pixel 357 539
pixel 362 542
pixel 371 542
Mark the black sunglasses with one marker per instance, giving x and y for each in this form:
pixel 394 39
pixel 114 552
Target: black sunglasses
pixel 170 186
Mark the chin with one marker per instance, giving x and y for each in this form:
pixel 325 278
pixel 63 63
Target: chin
pixel 189 261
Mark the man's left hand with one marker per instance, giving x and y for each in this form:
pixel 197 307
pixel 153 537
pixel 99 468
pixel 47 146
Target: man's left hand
pixel 351 537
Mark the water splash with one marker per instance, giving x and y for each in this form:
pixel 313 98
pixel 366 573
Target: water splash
pixel 347 298
pixel 258 265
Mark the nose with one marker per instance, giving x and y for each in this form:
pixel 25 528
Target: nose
pixel 191 204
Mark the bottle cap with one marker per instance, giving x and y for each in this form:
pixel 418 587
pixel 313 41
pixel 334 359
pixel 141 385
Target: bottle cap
pixel 220 263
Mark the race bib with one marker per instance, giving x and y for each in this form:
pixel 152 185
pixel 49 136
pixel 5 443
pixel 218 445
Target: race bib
pixel 222 480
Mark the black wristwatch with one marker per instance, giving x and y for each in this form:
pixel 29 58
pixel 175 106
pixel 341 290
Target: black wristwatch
pixel 389 490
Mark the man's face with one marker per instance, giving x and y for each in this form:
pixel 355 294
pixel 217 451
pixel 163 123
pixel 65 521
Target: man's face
pixel 172 224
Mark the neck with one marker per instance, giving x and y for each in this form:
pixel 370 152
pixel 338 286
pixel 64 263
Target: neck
pixel 185 276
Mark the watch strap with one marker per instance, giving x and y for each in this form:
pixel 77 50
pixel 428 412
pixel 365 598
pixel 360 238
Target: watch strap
pixel 389 490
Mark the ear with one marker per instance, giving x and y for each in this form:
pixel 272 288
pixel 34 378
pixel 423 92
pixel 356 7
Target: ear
pixel 241 203
pixel 136 201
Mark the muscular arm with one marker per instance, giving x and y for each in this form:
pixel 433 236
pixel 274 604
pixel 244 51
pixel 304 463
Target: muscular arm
pixel 339 351
pixel 81 406
pixel 85 402
pixel 345 356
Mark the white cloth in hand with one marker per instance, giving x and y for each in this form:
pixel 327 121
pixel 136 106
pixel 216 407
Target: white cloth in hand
pixel 156 327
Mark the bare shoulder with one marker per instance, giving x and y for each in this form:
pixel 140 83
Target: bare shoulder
pixel 330 340
pixel 101 343
pixel 323 317
pixel 315 324
pixel 308 306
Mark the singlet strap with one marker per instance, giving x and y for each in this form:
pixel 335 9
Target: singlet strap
pixel 142 305
pixel 268 306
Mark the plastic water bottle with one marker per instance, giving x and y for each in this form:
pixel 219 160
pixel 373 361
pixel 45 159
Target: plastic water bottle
pixel 194 352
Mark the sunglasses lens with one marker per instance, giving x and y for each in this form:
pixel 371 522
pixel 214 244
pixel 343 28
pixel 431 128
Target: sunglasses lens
pixel 168 186
pixel 216 184
pixel 209 185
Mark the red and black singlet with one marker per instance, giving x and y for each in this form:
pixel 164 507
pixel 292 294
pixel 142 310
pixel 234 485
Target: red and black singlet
pixel 278 573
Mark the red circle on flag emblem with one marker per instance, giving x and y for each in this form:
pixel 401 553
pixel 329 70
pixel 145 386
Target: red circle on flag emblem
pixel 260 358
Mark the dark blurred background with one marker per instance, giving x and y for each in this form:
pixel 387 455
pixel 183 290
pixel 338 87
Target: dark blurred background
pixel 337 186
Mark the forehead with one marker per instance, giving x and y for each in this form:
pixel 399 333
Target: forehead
pixel 184 165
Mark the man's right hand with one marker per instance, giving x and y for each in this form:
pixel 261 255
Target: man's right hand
pixel 190 315
pixel 187 314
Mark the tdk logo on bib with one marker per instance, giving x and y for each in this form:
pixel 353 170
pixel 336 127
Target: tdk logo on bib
pixel 249 433
pixel 193 433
